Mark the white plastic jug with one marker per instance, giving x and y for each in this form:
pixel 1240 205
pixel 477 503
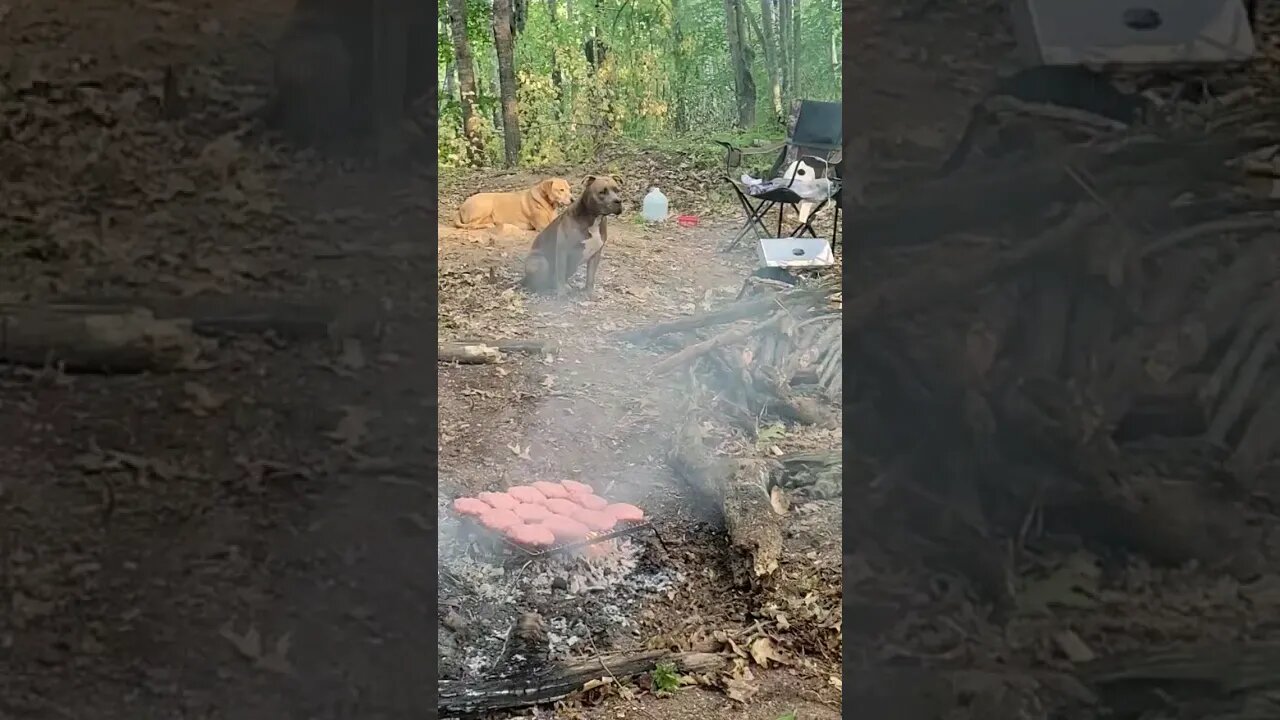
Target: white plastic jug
pixel 654 207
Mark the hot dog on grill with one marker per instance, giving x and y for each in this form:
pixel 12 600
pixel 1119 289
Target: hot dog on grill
pixel 625 512
pixel 502 501
pixel 566 529
pixel 531 513
pixel 562 506
pixel 471 507
pixel 531 535
pixel 576 488
pixel 499 520
pixel 527 493
pixel 596 520
pixel 591 502
pixel 550 489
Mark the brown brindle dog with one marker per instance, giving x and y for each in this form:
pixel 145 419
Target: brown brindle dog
pixel 578 234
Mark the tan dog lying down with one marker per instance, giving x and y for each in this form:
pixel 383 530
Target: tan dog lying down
pixel 531 209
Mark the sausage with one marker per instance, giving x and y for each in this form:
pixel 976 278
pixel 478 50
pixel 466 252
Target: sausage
pixel 502 501
pixel 531 513
pixel 625 512
pixel 499 520
pixel 527 493
pixel 550 489
pixel 576 488
pixel 561 506
pixel 566 529
pixel 470 507
pixel 591 502
pixel 596 520
pixel 532 535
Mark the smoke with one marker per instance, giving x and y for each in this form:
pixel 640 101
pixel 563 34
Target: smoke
pixel 590 412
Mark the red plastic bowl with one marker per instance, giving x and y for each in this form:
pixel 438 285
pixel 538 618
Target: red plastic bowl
pixel 687 220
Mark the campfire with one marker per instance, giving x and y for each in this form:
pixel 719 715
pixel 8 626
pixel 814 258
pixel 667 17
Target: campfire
pixel 546 519
pixel 551 548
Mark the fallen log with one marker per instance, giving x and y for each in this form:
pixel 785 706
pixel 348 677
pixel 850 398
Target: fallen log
pixel 728 337
pixel 456 698
pixel 468 354
pixel 738 311
pixel 931 285
pixel 91 339
pixel 1229 667
pixel 530 347
pixel 740 489
pixel 777 398
pixel 1259 444
pixel 223 315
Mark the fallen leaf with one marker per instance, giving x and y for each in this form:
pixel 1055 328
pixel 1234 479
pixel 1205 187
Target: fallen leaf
pixel 353 427
pixel 778 499
pixel 352 354
pixel 522 453
pixel 1074 584
pixel 1074 647
pixel 741 689
pixel 249 644
pixel 277 661
pixel 201 400
pixel 595 683
pixel 763 652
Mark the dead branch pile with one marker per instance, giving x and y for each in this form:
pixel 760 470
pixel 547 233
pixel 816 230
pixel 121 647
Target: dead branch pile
pixel 457 699
pixel 1088 343
pixel 779 359
pixel 1084 344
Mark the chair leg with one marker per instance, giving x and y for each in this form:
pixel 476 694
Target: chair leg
pixel 754 222
pixel 806 225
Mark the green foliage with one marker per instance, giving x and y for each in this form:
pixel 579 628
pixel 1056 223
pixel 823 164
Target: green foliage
pixel 666 679
pixel 666 80
pixel 770 434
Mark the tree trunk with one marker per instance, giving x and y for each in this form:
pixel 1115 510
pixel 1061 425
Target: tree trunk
pixel 557 77
pixel 747 104
pixel 679 63
pixel 795 48
pixel 494 90
pixel 504 44
pixel 835 42
pixel 451 69
pixel 743 87
pixel 785 50
pixel 466 81
pixel 769 42
pixel 389 76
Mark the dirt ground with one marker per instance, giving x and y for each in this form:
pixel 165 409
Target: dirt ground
pixel 239 541
pixel 251 540
pixel 589 412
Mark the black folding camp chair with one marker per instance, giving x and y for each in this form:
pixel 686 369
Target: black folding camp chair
pixel 813 138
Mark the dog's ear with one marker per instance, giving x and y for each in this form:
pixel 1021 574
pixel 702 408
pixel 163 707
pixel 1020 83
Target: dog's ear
pixel 590 179
pixel 545 188
pixel 617 179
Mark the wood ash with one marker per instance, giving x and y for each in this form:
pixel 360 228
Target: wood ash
pixel 585 596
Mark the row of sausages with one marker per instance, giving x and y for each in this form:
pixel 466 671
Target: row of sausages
pixel 546 514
